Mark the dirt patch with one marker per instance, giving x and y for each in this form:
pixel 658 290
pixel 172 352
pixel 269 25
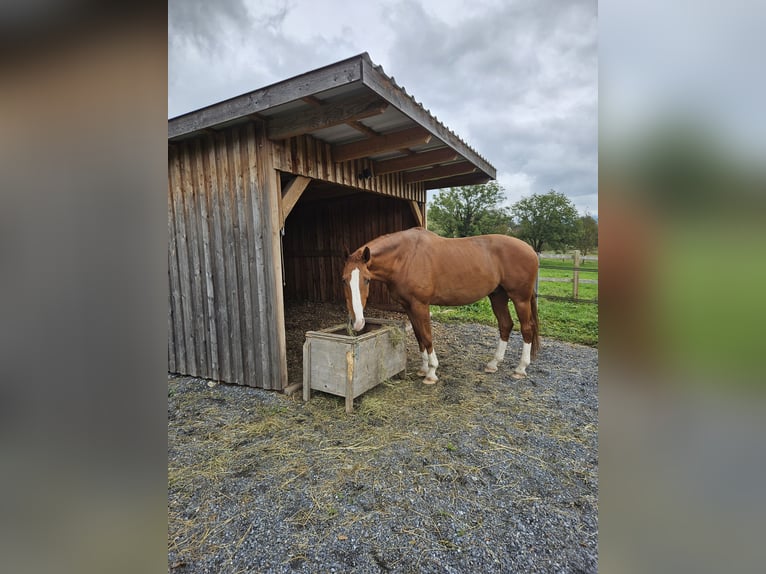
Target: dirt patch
pixel 477 473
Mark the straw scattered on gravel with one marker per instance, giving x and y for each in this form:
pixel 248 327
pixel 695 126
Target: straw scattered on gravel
pixel 477 473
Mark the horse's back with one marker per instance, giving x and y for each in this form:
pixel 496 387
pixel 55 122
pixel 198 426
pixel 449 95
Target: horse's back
pixel 463 270
pixel 502 250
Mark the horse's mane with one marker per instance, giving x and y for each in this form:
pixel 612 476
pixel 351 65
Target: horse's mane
pixel 392 241
pixel 356 256
pixel 389 242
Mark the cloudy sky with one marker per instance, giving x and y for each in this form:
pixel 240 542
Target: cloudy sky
pixel 517 80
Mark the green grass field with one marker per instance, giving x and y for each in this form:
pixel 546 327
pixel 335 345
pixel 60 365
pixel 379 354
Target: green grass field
pixel 563 320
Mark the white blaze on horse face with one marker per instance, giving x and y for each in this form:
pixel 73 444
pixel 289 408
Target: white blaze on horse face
pixel 356 301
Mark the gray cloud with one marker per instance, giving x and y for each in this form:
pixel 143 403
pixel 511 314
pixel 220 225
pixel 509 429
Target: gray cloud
pixel 518 83
pixel 516 80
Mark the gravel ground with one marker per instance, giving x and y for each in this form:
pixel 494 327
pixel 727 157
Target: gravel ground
pixel 479 473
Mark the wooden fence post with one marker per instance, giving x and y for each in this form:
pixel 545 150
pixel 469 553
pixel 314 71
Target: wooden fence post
pixel 576 275
pixel 537 281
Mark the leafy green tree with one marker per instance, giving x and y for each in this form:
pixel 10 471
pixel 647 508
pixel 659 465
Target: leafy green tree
pixel 469 210
pixel 548 219
pixel 586 238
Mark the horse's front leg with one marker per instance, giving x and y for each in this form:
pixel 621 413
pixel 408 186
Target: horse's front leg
pixel 420 318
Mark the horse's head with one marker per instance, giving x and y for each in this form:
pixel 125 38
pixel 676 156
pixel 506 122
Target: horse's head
pixel 356 286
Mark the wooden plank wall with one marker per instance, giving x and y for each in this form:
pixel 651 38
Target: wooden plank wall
pixel 307 156
pixel 226 309
pixel 221 271
pixel 317 232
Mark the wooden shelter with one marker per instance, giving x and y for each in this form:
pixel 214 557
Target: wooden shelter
pixel 266 191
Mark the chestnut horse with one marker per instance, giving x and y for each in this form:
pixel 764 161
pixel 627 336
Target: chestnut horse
pixel 421 269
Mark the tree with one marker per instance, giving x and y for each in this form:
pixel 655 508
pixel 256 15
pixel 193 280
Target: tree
pixel 549 219
pixel 469 210
pixel 587 234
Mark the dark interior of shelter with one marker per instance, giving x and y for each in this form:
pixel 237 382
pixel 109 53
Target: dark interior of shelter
pixel 327 221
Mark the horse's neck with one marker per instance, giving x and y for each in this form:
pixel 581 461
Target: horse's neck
pixel 384 253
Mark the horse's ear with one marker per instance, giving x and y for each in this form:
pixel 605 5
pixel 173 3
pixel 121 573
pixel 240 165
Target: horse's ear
pixel 366 255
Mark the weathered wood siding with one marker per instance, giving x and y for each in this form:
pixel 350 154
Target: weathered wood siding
pixel 307 156
pixel 225 258
pixel 223 299
pixel 317 233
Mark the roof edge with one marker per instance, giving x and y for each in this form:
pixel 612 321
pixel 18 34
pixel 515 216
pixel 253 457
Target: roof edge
pixel 358 68
pixel 339 73
pixel 385 86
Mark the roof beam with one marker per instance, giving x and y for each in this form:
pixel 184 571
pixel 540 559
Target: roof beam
pixel 359 126
pixel 380 144
pixel 439 172
pixel 414 161
pixel 324 116
pixel 477 178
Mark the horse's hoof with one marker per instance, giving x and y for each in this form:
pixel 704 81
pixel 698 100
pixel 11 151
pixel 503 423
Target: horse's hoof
pixel 518 375
pixel 489 369
pixel 429 381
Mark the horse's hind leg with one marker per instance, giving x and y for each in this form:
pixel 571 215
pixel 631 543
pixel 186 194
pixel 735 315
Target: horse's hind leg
pixel 499 301
pixel 524 312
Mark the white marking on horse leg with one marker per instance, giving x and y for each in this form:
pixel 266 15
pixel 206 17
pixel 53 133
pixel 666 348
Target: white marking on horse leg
pixel 424 365
pixel 521 370
pixel 499 356
pixel 356 301
pixel 433 362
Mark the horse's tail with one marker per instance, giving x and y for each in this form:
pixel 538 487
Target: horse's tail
pixel 535 328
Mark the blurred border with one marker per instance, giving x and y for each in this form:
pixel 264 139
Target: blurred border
pixel 681 212
pixel 83 290
pixel 83 109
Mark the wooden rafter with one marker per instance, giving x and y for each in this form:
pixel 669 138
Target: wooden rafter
pixel 476 178
pixel 380 144
pixel 414 160
pixel 324 116
pixel 440 172
pixel 356 124
pixel 359 126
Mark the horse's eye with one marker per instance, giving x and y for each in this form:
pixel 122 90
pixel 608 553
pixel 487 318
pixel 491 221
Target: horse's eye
pixel 366 281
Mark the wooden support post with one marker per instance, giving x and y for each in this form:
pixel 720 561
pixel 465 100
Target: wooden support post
pixel 306 370
pixel 350 381
pixel 271 195
pixel 537 281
